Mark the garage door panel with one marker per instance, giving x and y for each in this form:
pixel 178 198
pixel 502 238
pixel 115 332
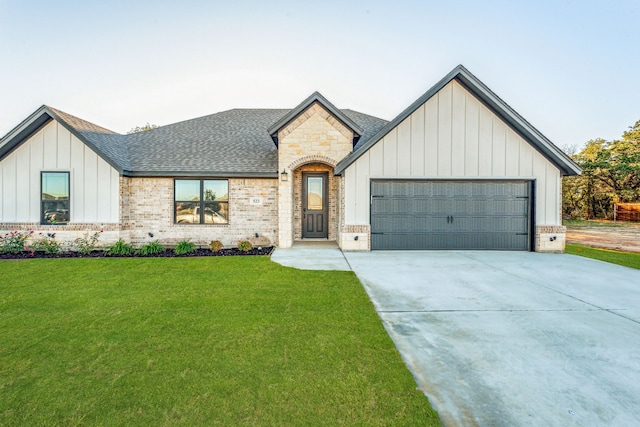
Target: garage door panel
pixel 426 224
pixel 410 241
pixel 450 215
pixel 425 190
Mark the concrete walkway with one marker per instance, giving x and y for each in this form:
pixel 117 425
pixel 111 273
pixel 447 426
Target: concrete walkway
pixel 320 255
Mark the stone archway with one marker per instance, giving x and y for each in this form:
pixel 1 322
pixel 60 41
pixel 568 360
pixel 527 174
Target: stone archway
pixel 314 164
pixel 312 159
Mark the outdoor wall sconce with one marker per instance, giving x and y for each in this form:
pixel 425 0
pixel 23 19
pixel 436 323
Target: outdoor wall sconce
pixel 284 176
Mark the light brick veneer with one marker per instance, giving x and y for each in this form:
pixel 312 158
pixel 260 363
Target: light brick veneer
pixel 150 210
pixel 146 206
pixel 313 141
pixel 550 238
pixel 65 234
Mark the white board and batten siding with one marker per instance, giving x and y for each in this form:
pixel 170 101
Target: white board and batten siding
pixel 453 136
pixel 94 184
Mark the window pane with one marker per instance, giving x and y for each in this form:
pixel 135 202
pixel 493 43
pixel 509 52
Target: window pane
pixel 55 212
pixel 187 189
pixel 216 212
pixel 188 212
pixel 314 193
pixel 216 190
pixel 189 209
pixel 55 186
pixel 55 198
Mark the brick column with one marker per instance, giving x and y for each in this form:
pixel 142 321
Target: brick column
pixel 285 211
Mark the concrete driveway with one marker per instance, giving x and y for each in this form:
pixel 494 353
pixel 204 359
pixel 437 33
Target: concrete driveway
pixel 513 339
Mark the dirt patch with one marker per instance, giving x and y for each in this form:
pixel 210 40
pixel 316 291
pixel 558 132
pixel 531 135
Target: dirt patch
pixel 620 236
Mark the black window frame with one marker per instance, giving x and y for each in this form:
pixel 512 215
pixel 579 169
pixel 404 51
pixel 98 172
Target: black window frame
pixel 201 202
pixel 43 215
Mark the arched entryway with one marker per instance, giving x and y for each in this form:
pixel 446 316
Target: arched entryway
pixel 315 201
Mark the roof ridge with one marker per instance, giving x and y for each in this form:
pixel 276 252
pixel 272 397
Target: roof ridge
pixel 76 118
pixel 310 100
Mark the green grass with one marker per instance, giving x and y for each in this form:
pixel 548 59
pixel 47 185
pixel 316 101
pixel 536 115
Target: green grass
pixel 628 259
pixel 195 341
pixel 576 223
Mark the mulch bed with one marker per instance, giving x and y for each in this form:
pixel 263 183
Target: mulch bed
pixel 264 250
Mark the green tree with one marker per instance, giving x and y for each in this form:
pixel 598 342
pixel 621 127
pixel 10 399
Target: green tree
pixel 611 174
pixel 210 196
pixel 146 127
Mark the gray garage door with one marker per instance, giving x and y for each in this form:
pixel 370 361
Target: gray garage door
pixel 450 215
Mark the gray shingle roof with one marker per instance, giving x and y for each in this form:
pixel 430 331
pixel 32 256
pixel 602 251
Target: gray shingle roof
pixel 108 144
pixel 230 143
pixel 371 125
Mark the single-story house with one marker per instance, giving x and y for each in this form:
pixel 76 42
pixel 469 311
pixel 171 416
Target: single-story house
pixel 458 169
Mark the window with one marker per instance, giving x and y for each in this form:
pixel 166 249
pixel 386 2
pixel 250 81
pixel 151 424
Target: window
pixel 201 201
pixel 54 200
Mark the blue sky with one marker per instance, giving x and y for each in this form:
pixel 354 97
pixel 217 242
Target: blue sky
pixel 571 68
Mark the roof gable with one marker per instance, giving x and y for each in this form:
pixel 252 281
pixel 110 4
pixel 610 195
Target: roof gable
pixel 105 143
pixel 313 98
pixel 494 103
pixel 24 130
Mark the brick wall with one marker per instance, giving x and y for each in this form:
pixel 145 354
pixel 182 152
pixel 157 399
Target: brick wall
pixel 150 210
pixel 65 234
pixel 550 238
pixel 146 206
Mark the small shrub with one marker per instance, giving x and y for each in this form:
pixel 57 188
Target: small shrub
pixel 216 245
pixel 245 245
pixel 120 248
pixel 151 248
pixel 185 247
pixel 14 242
pixel 47 244
pixel 86 244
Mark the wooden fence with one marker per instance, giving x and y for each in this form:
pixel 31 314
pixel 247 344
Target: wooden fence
pixel 626 212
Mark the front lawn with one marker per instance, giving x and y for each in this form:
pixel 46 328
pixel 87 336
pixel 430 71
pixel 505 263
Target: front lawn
pixel 195 341
pixel 628 259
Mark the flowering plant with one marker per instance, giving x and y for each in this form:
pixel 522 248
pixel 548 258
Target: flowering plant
pixel 86 244
pixel 14 242
pixel 47 244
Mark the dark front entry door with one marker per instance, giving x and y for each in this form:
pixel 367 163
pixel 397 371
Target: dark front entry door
pixel 315 218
